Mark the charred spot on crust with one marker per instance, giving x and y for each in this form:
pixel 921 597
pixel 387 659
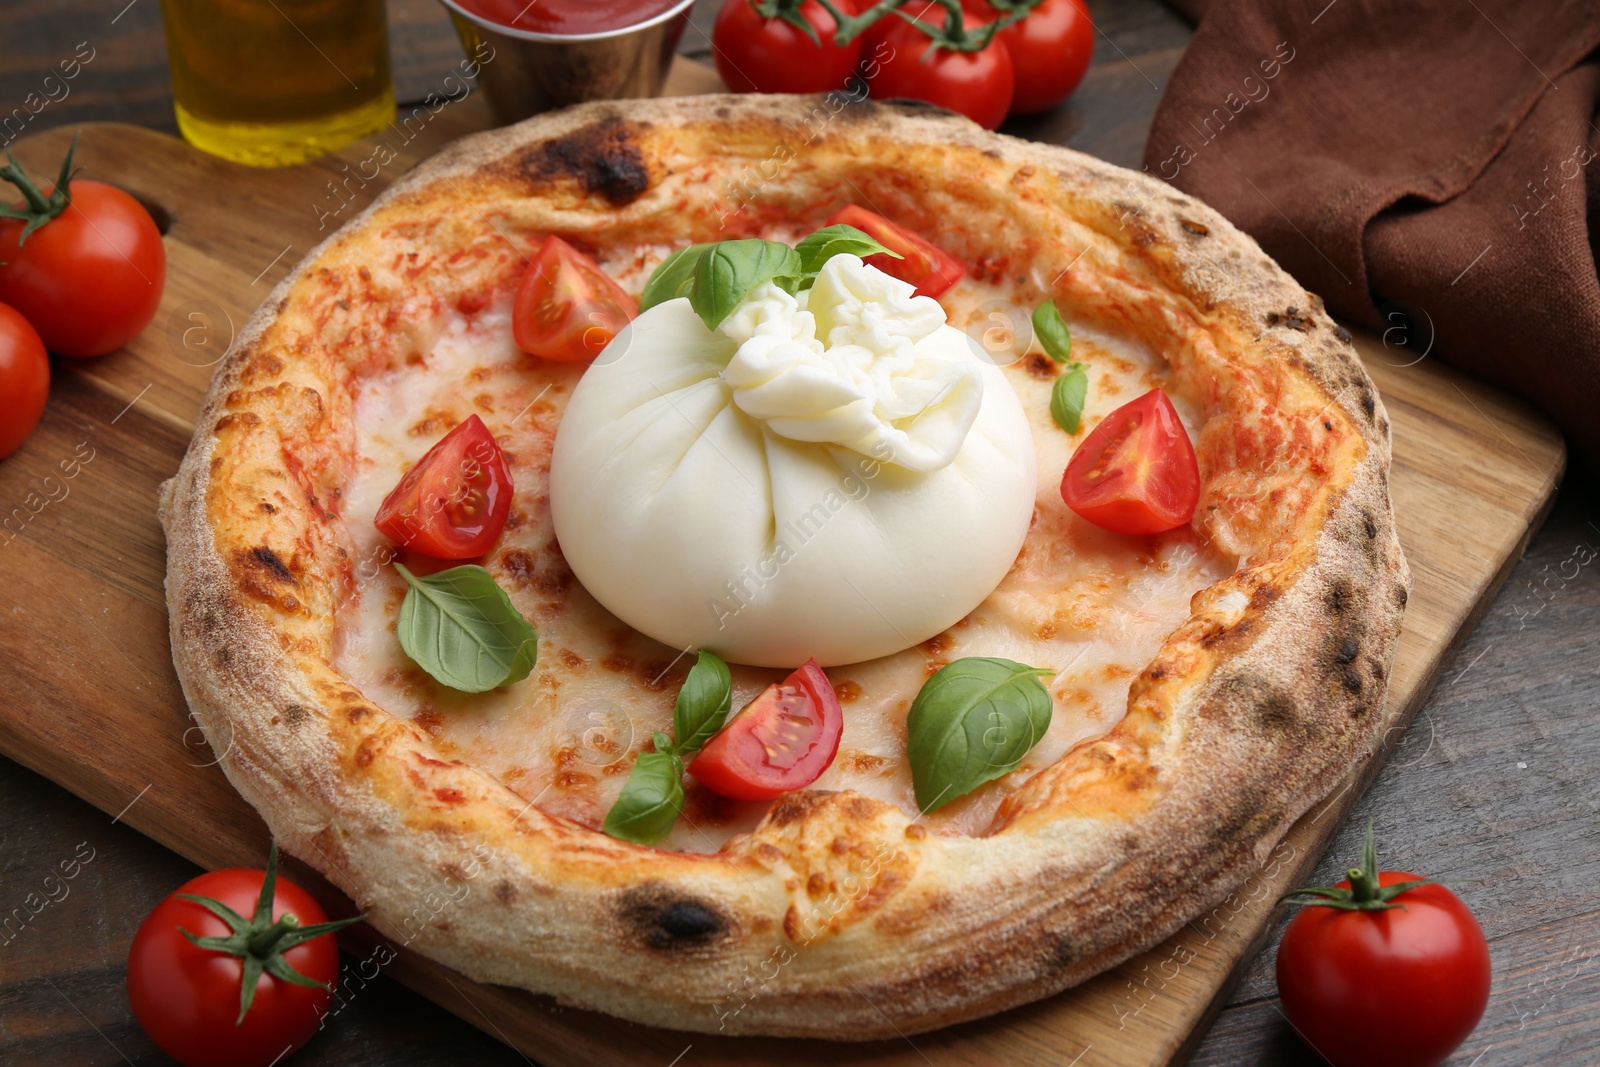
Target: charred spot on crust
pixel 1343 334
pixel 263 576
pixel 1352 681
pixel 1347 651
pixel 1063 953
pixel 1291 318
pixel 602 156
pixel 1401 595
pixel 505 893
pixel 1276 711
pixel 1250 816
pixel 270 561
pixel 1195 228
pixel 1272 708
pixel 667 920
pixel 1341 596
pixel 296 715
pixel 1369 403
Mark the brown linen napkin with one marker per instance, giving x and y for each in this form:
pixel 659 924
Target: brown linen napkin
pixel 1428 168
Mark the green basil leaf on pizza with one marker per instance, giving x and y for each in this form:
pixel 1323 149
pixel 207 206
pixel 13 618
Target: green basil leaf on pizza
pixel 839 239
pixel 972 722
pixel 729 270
pixel 650 801
pixel 703 704
pixel 461 627
pixel 1067 397
pixel 673 278
pixel 1051 330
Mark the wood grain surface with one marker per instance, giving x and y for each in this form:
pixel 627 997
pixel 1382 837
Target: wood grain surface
pixel 1498 793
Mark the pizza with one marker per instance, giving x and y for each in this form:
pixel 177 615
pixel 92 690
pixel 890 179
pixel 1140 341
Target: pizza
pixel 1001 728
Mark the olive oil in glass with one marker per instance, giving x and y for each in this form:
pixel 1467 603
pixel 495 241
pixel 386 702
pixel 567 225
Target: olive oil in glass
pixel 275 82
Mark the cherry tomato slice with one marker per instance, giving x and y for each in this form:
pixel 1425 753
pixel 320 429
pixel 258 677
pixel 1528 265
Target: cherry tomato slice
pixel 1135 473
pixel 782 741
pixel 454 502
pixel 931 269
pixel 567 309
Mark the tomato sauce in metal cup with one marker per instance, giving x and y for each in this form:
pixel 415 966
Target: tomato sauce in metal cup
pixel 534 55
pixel 567 17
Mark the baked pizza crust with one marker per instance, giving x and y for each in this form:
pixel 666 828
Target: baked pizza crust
pixel 1256 706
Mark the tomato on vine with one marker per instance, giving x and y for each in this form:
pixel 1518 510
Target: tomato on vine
pixel 926 52
pixel 781 46
pixel 215 989
pixel 1384 969
pixel 81 260
pixel 1050 49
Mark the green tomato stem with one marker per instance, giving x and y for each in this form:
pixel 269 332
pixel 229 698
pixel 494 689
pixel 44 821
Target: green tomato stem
pixel 1363 886
pixel 263 943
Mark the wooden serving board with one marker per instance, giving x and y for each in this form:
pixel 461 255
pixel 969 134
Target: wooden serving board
pixel 95 705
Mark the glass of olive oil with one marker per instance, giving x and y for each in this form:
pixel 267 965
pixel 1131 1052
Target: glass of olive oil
pixel 275 82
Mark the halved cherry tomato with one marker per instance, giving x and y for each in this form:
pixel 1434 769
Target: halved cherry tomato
pixel 454 502
pixel 567 308
pixel 1135 473
pixel 782 741
pixel 931 269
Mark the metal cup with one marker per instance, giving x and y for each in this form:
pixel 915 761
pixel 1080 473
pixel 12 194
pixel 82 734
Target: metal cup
pixel 534 72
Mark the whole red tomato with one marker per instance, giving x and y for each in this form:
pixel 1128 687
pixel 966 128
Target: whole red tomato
pixel 188 992
pixel 86 267
pixel 760 52
pixel 1388 970
pixel 1050 50
pixel 24 379
pixel 905 62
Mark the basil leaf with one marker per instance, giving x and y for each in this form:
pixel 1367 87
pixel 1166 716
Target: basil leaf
pixel 703 704
pixel 728 271
pixel 831 241
pixel 1052 332
pixel 461 627
pixel 1066 398
pixel 650 801
pixel 972 722
pixel 672 278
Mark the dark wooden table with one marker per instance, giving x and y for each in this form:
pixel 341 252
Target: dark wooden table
pixel 1496 788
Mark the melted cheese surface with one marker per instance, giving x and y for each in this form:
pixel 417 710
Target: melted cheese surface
pixel 1092 606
